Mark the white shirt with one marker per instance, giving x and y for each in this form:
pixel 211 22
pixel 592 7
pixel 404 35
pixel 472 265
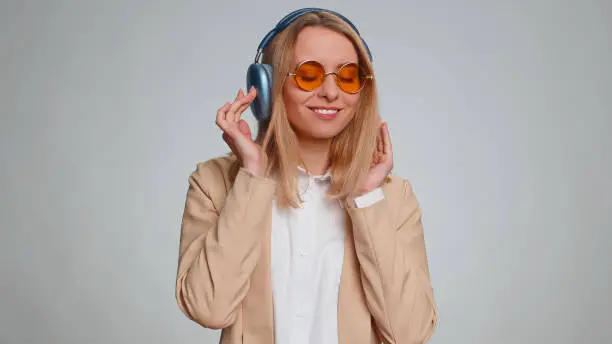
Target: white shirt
pixel 307 251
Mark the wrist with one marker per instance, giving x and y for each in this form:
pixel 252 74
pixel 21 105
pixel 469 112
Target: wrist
pixel 360 192
pixel 255 169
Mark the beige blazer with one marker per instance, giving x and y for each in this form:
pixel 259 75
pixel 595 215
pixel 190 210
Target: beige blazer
pixel 223 278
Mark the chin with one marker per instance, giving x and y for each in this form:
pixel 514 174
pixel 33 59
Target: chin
pixel 323 133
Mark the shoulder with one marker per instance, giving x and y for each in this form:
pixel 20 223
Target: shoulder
pixel 213 176
pixel 217 167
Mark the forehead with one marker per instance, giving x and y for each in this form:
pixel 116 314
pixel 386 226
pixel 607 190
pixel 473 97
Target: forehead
pixel 324 45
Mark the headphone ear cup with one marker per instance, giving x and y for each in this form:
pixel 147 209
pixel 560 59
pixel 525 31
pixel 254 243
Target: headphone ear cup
pixel 260 76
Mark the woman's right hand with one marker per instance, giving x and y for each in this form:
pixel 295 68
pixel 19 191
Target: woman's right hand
pixel 237 134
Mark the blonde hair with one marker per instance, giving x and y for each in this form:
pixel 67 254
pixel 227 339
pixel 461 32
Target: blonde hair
pixel 350 151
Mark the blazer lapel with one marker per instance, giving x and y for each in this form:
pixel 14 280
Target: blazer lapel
pixel 258 307
pixel 354 320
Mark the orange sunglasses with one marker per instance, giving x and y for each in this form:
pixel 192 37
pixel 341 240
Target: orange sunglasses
pixel 350 78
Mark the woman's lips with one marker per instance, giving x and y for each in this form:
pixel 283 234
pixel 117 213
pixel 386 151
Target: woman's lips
pixel 325 112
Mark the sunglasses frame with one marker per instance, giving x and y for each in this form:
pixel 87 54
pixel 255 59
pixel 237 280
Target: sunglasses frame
pixel 325 74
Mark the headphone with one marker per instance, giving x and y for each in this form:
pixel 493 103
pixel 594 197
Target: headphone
pixel 259 75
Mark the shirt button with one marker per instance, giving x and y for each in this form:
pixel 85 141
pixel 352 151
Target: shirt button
pixel 302 252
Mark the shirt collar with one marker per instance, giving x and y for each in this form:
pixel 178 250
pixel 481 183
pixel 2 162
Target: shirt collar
pixel 318 177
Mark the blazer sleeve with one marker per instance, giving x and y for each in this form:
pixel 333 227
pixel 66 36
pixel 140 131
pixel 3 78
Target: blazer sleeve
pixel 219 248
pixel 390 248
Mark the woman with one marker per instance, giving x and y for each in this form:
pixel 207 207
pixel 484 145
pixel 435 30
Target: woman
pixel 303 235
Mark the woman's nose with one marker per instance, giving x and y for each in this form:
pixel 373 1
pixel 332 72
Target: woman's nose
pixel 329 89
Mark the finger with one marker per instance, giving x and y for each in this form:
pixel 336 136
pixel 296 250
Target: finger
pixel 250 97
pixel 232 117
pixel 221 116
pixel 252 93
pixel 222 110
pixel 240 97
pixel 242 104
pixel 245 129
pixel 386 139
pixel 379 146
pixel 241 110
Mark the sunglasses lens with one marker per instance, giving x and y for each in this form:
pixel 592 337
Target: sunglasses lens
pixel 309 75
pixel 350 78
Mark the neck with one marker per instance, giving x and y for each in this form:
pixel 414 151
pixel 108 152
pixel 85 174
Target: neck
pixel 315 154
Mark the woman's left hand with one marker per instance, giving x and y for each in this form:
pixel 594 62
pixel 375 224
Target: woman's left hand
pixel 382 163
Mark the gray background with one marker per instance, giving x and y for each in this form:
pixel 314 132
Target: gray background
pixel 499 114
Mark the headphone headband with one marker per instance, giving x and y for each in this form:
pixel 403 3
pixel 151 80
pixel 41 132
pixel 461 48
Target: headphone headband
pixel 289 18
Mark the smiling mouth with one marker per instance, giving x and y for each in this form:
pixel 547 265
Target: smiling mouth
pixel 325 112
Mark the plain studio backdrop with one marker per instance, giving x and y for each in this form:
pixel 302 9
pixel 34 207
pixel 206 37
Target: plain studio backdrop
pixel 499 111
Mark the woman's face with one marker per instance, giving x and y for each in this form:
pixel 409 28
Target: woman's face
pixel 324 112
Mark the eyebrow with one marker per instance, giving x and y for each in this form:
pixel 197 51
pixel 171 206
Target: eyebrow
pixel 337 66
pixel 343 63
